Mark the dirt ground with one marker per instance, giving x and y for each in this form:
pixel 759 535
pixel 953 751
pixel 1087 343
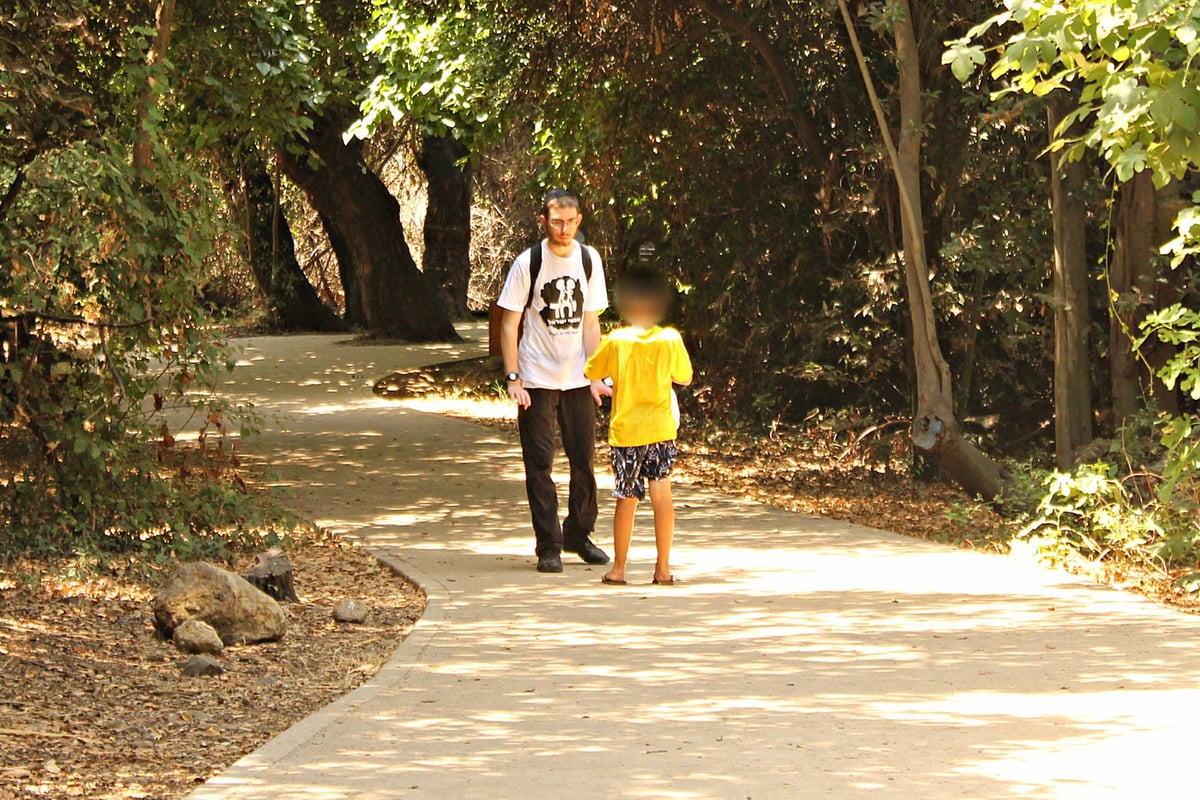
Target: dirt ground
pixel 92 703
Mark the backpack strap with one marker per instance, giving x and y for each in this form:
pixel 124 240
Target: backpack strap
pixel 535 268
pixel 534 271
pixel 586 254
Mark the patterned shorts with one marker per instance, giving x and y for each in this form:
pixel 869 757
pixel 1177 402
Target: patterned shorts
pixel 633 466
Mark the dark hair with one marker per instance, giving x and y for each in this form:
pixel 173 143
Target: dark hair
pixel 563 198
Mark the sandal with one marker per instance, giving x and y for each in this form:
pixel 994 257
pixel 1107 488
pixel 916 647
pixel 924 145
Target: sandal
pixel 613 582
pixel 667 581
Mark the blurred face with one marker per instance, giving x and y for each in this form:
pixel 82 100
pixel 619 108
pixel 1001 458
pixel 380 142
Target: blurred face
pixel 561 224
pixel 642 309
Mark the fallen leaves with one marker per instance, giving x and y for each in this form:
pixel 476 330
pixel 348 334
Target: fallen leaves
pixel 92 703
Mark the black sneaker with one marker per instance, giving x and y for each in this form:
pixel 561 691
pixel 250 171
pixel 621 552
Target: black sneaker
pixel 551 562
pixel 589 552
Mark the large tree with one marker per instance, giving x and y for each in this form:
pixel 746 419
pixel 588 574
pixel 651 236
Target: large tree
pixel 447 77
pixel 363 220
pixel 936 431
pixel 249 67
pixel 1130 67
pixel 446 260
pixel 1072 321
pixel 269 249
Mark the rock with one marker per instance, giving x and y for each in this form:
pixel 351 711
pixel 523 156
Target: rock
pixel 239 613
pixel 202 667
pixel 350 611
pixel 272 572
pixel 197 636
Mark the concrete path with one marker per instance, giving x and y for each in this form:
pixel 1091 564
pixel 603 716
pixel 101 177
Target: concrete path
pixel 800 658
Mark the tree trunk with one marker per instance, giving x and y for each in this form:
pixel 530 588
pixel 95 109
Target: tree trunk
pixel 1168 289
pixel 973 316
pixel 1144 219
pixel 143 146
pixel 448 221
pixel 1072 383
pixel 292 302
pixel 363 219
pixel 935 429
pixel 1131 288
pixel 351 286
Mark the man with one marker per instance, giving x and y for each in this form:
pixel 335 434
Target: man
pixel 543 367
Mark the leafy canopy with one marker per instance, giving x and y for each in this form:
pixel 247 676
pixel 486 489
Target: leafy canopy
pixel 444 72
pixel 1131 61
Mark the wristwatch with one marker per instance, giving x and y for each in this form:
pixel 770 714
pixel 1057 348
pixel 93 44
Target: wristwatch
pixel 512 376
pixel 607 382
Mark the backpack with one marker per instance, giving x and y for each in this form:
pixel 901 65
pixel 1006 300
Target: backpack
pixel 496 314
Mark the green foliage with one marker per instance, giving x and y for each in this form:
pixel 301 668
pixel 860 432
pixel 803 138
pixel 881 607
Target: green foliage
pixel 1178 326
pixel 1089 515
pixel 443 73
pixel 1131 61
pixel 108 350
pixel 1138 506
pixel 1129 65
pixel 247 73
pixel 110 338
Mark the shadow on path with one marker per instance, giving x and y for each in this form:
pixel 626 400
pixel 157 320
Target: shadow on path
pixel 800 657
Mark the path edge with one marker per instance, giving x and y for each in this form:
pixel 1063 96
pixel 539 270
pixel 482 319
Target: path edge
pixel 229 782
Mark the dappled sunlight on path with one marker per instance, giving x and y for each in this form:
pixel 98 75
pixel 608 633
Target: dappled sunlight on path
pixel 798 657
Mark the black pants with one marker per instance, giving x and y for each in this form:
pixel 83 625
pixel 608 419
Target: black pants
pixel 575 412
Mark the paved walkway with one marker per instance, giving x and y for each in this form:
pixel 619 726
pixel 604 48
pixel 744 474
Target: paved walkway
pixel 802 658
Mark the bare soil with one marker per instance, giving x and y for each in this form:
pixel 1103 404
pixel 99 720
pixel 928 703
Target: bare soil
pixel 92 703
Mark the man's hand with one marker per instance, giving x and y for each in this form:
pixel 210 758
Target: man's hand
pixel 519 394
pixel 601 390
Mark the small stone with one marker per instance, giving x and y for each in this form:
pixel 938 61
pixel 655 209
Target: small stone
pixel 350 611
pixel 197 636
pixel 202 666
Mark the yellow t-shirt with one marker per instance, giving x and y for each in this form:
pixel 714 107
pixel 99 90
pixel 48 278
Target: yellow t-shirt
pixel 642 364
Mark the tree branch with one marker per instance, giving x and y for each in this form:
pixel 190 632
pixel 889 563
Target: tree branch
pixel 10 196
pixel 777 62
pixel 65 320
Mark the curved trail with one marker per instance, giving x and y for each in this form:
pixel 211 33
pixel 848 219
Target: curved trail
pixel 800 657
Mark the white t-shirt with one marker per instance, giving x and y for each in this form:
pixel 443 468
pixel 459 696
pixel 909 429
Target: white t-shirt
pixel 551 354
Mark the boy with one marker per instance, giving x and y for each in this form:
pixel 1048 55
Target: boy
pixel 642 360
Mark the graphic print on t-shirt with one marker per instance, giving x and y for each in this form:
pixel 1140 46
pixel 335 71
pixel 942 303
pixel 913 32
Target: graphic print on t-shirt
pixel 563 313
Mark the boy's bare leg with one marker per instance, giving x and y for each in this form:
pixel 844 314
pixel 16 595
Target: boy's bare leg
pixel 622 535
pixel 664 526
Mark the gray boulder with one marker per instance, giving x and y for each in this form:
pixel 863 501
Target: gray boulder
pixel 197 636
pixel 350 611
pixel 240 613
pixel 202 667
